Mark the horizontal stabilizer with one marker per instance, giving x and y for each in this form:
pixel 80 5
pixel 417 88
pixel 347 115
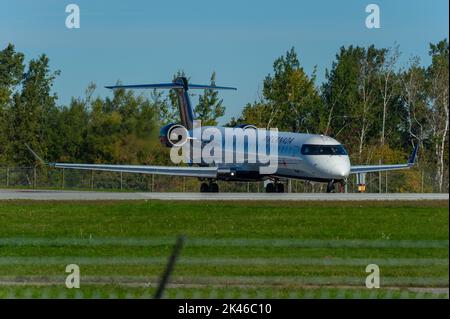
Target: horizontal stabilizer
pixel 168 86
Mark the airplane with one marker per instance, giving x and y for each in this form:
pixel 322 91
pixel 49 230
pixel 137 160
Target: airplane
pixel 310 157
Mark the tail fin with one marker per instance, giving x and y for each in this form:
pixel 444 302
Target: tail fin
pixel 181 87
pixel 184 103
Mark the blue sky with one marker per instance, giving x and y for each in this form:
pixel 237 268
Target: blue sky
pixel 148 41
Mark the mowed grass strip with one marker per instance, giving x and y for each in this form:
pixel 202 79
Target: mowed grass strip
pixel 391 221
pixel 412 238
pixel 230 242
pixel 120 292
pixel 120 260
pixel 204 252
pixel 240 270
pixel 233 281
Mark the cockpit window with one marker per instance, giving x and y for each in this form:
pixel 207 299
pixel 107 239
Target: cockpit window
pixel 310 149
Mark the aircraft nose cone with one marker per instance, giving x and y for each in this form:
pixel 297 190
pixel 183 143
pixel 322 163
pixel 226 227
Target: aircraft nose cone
pixel 331 167
pixel 345 173
pixel 343 169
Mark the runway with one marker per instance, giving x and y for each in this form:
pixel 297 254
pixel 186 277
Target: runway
pixel 60 195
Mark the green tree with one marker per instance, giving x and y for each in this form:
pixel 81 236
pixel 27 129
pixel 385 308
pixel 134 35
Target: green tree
pixel 122 129
pixel 29 120
pixel 437 84
pixel 166 112
pixel 351 94
pixel 209 107
pixel 11 75
pixel 257 113
pixel 293 98
pixel 169 110
pixel 73 124
pixel 414 101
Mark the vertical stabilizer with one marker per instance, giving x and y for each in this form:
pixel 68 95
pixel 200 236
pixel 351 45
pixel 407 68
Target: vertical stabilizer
pixel 184 102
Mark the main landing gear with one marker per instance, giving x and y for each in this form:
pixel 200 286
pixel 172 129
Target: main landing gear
pixel 275 187
pixel 210 187
pixel 331 186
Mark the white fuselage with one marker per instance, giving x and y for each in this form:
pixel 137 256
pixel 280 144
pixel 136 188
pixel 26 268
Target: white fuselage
pixel 301 156
pixel 295 163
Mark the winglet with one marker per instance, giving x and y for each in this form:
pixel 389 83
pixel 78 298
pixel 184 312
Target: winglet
pixel 413 156
pixel 35 155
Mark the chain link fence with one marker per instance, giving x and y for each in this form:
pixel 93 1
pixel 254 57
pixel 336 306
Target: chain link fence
pixel 49 178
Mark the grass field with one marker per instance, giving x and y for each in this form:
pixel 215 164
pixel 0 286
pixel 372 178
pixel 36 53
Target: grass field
pixel 232 250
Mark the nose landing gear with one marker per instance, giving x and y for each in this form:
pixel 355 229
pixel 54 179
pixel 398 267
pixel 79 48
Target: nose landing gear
pixel 331 186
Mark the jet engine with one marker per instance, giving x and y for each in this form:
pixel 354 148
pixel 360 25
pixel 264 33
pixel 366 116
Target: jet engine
pixel 173 134
pixel 246 126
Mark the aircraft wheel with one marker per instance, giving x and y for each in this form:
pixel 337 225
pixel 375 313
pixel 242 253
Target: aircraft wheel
pixel 204 188
pixel 214 188
pixel 270 188
pixel 330 186
pixel 280 188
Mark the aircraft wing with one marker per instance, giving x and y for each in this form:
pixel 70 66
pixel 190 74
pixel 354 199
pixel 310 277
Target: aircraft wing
pixel 390 167
pixel 202 172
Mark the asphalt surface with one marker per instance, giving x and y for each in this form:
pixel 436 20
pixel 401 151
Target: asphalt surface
pixel 12 194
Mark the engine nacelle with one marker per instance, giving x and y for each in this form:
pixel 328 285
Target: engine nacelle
pixel 247 126
pixel 172 134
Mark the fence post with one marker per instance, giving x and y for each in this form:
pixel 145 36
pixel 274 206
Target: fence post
pixel 421 186
pixel 121 180
pixel 62 179
pixel 153 182
pixel 7 177
pixel 386 182
pixel 380 190
pixel 35 176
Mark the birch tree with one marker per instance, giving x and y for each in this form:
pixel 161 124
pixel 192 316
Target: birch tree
pixel 438 103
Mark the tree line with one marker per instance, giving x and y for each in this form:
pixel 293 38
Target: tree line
pixel 377 107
